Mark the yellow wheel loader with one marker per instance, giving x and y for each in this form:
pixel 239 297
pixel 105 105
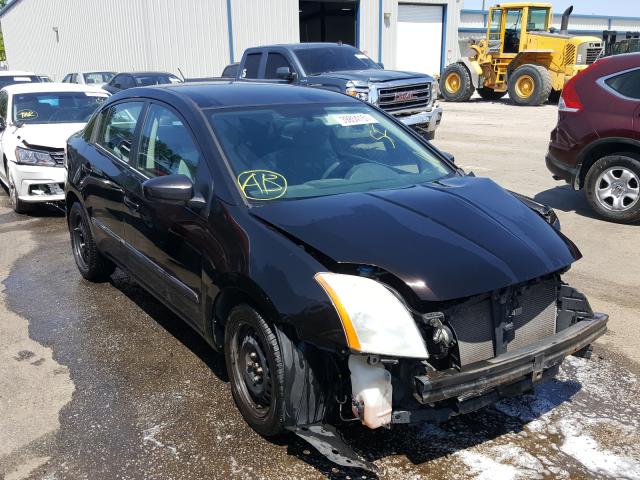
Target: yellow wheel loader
pixel 520 55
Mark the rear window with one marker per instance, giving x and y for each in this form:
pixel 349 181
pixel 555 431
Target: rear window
pixel 627 84
pixel 155 79
pixel 12 80
pixel 251 65
pixel 63 107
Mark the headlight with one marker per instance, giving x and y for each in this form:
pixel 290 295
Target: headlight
pixel 26 156
pixel 356 91
pixel 374 320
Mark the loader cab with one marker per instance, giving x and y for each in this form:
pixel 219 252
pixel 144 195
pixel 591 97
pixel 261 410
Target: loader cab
pixel 509 23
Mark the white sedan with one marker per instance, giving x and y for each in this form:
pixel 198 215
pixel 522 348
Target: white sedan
pixel 35 122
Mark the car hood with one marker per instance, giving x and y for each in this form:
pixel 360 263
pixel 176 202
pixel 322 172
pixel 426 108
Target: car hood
pixel 459 237
pixel 376 75
pixel 52 135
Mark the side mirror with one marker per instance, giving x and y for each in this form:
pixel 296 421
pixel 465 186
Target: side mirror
pixel 381 65
pixel 449 156
pixel 285 73
pixel 3 124
pixel 173 189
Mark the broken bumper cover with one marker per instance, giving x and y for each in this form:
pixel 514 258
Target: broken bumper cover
pixel 428 121
pixel 527 365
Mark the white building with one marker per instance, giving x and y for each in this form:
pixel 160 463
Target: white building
pixel 200 37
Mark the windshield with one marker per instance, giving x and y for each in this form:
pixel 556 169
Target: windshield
pixel 156 79
pixel 63 107
pixel 11 79
pixel 537 19
pixel 301 151
pixel 333 59
pixel 97 77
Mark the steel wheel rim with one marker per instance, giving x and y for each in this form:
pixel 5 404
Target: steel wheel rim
pixel 617 189
pixel 251 370
pixel 79 241
pixel 525 86
pixel 453 82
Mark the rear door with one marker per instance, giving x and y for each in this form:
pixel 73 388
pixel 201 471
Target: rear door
pixel 166 240
pixel 104 169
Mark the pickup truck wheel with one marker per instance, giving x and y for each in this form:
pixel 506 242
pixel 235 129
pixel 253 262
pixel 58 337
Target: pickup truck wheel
pixel 612 187
pixel 529 85
pixel 490 94
pixel 455 83
pixel 272 383
pixel 90 262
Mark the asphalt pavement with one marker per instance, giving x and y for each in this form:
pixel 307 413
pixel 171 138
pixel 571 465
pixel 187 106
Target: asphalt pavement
pixel 100 381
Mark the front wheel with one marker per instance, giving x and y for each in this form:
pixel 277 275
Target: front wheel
pixel 612 187
pixel 90 262
pixel 18 205
pixel 455 83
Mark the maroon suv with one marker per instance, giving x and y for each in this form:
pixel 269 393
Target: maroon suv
pixel 596 144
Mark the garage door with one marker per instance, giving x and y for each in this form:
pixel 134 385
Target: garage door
pixel 419 42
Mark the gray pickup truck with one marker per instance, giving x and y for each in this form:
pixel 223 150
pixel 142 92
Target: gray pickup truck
pixel 411 97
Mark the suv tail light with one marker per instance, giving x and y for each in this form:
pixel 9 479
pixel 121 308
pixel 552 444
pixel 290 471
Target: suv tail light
pixel 569 100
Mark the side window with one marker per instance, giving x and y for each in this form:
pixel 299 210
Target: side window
pixel 627 84
pixel 3 104
pixel 128 81
pixel 74 78
pixel 166 145
pixel 116 128
pixel 66 78
pixel 251 65
pixel 275 61
pixel 117 81
pixel 512 31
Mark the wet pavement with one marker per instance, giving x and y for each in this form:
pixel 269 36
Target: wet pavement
pixel 152 400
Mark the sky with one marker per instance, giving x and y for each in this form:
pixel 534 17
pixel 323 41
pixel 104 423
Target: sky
pixel 615 8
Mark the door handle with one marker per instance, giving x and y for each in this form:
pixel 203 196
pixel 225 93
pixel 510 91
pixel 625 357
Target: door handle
pixel 131 205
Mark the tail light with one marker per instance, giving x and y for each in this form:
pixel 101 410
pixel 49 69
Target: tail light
pixel 569 100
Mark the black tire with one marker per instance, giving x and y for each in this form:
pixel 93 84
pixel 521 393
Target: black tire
pixel 18 205
pixel 430 135
pixel 290 394
pixel 460 90
pixel 554 96
pixel 90 262
pixel 540 81
pixel 490 94
pixel 619 205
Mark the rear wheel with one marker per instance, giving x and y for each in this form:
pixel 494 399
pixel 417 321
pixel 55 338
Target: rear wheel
pixel 455 83
pixel 612 187
pixel 490 94
pixel 529 85
pixel 90 262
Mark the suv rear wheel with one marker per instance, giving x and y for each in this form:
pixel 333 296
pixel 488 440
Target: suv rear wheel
pixel 612 187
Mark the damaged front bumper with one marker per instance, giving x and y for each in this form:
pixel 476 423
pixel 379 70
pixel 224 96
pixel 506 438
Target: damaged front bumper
pixel 445 394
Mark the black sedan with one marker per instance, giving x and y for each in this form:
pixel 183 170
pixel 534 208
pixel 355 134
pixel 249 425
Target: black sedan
pixel 125 80
pixel 346 267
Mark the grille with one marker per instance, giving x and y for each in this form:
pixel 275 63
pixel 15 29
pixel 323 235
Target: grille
pixel 473 325
pixel 58 157
pixel 593 54
pixel 405 97
pixel 569 54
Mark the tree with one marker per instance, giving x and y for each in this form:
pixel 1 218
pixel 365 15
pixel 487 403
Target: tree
pixel 3 54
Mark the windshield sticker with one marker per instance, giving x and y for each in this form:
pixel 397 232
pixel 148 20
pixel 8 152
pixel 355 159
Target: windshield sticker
pixel 361 56
pixel 378 135
pixel 262 184
pixel 22 79
pixel 26 114
pixel 352 119
pixel 95 94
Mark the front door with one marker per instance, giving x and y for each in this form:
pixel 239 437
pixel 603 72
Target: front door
pixel 166 240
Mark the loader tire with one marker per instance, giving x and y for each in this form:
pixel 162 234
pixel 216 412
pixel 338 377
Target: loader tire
pixel 529 85
pixel 455 83
pixel 490 94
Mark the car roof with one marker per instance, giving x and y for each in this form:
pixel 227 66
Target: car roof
pixel 305 46
pixel 50 87
pixel 225 94
pixel 14 73
pixel 145 73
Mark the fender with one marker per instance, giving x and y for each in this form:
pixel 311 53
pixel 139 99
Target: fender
pixel 474 70
pixel 584 157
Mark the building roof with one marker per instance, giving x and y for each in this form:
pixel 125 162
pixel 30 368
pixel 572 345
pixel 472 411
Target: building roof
pixel 51 87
